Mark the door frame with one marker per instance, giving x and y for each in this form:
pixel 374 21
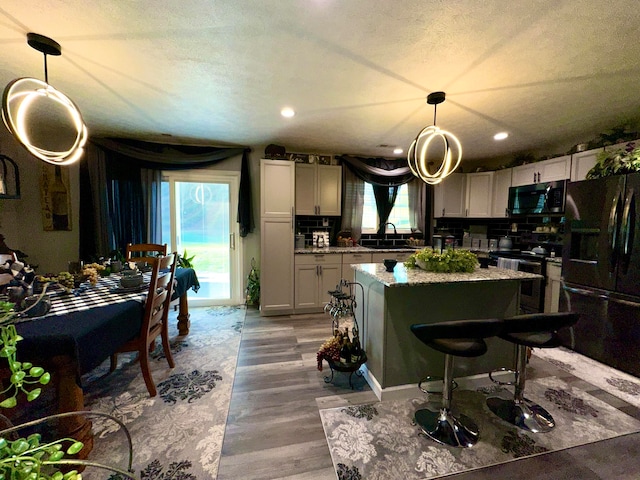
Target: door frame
pixel 232 178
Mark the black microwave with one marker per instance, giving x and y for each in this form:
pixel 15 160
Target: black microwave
pixel 537 199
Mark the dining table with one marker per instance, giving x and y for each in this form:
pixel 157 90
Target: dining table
pixel 82 329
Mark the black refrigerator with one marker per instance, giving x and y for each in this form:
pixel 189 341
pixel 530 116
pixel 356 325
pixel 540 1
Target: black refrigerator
pixel 601 270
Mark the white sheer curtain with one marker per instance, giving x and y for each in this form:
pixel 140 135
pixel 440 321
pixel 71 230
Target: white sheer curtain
pixel 417 203
pixel 352 203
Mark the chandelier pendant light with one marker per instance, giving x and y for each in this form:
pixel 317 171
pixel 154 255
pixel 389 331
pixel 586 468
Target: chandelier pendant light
pixel 44 120
pixel 418 156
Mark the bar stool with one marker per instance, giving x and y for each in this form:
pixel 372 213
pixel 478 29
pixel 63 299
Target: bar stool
pixel 456 338
pixel 537 330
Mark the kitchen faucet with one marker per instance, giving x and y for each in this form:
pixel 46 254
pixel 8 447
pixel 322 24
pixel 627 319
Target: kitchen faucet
pixel 395 232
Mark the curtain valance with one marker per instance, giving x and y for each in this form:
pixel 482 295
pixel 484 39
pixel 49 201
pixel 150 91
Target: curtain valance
pixel 379 171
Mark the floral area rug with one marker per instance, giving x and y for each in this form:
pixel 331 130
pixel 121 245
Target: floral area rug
pixel 615 382
pixel 379 442
pixel 178 434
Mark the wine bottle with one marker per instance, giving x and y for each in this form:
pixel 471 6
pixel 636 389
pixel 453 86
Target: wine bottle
pixel 356 349
pixel 345 353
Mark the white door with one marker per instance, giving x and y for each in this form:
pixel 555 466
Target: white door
pixel 199 211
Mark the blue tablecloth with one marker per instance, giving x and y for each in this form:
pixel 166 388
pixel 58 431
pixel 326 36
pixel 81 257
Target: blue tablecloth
pixel 185 279
pixel 89 337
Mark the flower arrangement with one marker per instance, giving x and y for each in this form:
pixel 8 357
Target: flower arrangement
pixel 449 261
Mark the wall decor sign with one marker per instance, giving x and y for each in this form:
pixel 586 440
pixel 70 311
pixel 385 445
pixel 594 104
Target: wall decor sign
pixel 55 198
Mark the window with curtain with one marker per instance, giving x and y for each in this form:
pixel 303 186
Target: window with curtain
pixel 400 215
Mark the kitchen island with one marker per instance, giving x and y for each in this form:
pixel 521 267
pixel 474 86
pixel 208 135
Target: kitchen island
pixel 390 302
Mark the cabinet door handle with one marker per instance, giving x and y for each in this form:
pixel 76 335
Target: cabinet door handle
pixel 443 212
pixel 292 220
pixel 466 212
pixel 320 267
pixel 534 177
pixel 506 212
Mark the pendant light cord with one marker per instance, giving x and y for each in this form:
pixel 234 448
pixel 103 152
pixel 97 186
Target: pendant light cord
pixel 46 72
pixel 435 108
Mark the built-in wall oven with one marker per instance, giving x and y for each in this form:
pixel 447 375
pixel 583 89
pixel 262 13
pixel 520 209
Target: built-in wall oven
pixel 531 291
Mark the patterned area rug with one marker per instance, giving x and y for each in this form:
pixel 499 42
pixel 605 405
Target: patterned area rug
pixel 178 434
pixel 615 382
pixel 378 441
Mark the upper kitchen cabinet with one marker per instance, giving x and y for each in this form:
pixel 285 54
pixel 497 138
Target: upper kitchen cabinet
pixel 558 168
pixel 318 189
pixel 500 200
pixel 582 162
pixel 277 192
pixel 479 194
pixel 449 196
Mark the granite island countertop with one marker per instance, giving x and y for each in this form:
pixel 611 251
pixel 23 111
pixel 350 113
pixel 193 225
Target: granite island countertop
pixel 408 277
pixel 357 249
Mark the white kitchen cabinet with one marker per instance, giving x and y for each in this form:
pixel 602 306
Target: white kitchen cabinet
pixel 315 275
pixel 449 196
pixel 277 193
pixel 318 189
pixel 553 287
pixel 500 199
pixel 399 256
pixel 582 162
pixel 558 168
pixel 479 194
pixel 348 259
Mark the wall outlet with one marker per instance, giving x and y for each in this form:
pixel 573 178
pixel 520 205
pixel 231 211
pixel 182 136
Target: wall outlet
pixel 325 222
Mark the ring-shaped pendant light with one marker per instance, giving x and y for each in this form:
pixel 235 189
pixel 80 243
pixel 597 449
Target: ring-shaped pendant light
pixel 417 156
pixel 19 106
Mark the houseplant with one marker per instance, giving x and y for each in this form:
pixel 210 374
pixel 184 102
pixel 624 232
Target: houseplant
pixel 616 162
pixel 449 261
pixel 28 458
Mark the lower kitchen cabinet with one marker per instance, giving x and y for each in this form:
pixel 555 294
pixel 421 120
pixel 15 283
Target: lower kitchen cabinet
pixel 315 275
pixel 399 256
pixel 349 259
pixel 553 287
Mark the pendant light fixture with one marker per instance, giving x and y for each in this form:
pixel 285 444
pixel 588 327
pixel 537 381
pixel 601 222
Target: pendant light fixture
pixel 418 156
pixel 44 120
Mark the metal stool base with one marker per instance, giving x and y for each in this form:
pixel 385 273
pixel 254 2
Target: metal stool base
pixel 446 429
pixel 524 414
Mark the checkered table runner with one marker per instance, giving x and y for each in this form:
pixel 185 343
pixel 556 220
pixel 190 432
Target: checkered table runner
pixel 106 292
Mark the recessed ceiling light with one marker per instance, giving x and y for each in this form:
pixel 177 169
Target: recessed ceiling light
pixel 287 112
pixel 500 136
pixel 397 151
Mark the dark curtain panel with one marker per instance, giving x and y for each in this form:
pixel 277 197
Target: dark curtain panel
pixel 245 213
pixel 122 196
pixel 385 198
pixel 125 201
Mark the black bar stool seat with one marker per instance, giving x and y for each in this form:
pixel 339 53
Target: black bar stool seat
pixel 537 330
pixel 456 338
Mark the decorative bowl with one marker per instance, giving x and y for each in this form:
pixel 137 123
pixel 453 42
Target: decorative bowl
pixel 130 281
pixel 389 264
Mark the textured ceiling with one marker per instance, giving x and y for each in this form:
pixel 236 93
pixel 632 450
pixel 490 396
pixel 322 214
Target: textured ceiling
pixel 552 72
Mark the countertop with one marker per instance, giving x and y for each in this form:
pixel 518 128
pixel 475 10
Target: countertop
pixel 357 249
pixel 407 277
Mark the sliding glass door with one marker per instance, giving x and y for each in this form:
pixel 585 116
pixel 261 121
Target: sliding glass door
pixel 199 220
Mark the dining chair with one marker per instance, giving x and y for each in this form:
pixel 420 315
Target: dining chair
pixel 144 252
pixel 155 320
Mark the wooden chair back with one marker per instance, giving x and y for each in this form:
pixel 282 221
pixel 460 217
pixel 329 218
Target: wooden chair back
pixel 144 252
pixel 155 320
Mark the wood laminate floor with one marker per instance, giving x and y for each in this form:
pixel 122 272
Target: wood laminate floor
pixel 274 429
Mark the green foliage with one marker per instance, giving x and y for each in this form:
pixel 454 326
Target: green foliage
pixel 184 261
pixel 449 261
pixel 25 377
pixel 617 162
pixel 253 285
pixel 28 459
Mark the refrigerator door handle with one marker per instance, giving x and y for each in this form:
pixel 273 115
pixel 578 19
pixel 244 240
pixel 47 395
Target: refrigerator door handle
pixel 627 228
pixel 613 232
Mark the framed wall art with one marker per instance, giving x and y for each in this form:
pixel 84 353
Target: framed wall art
pixel 55 198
